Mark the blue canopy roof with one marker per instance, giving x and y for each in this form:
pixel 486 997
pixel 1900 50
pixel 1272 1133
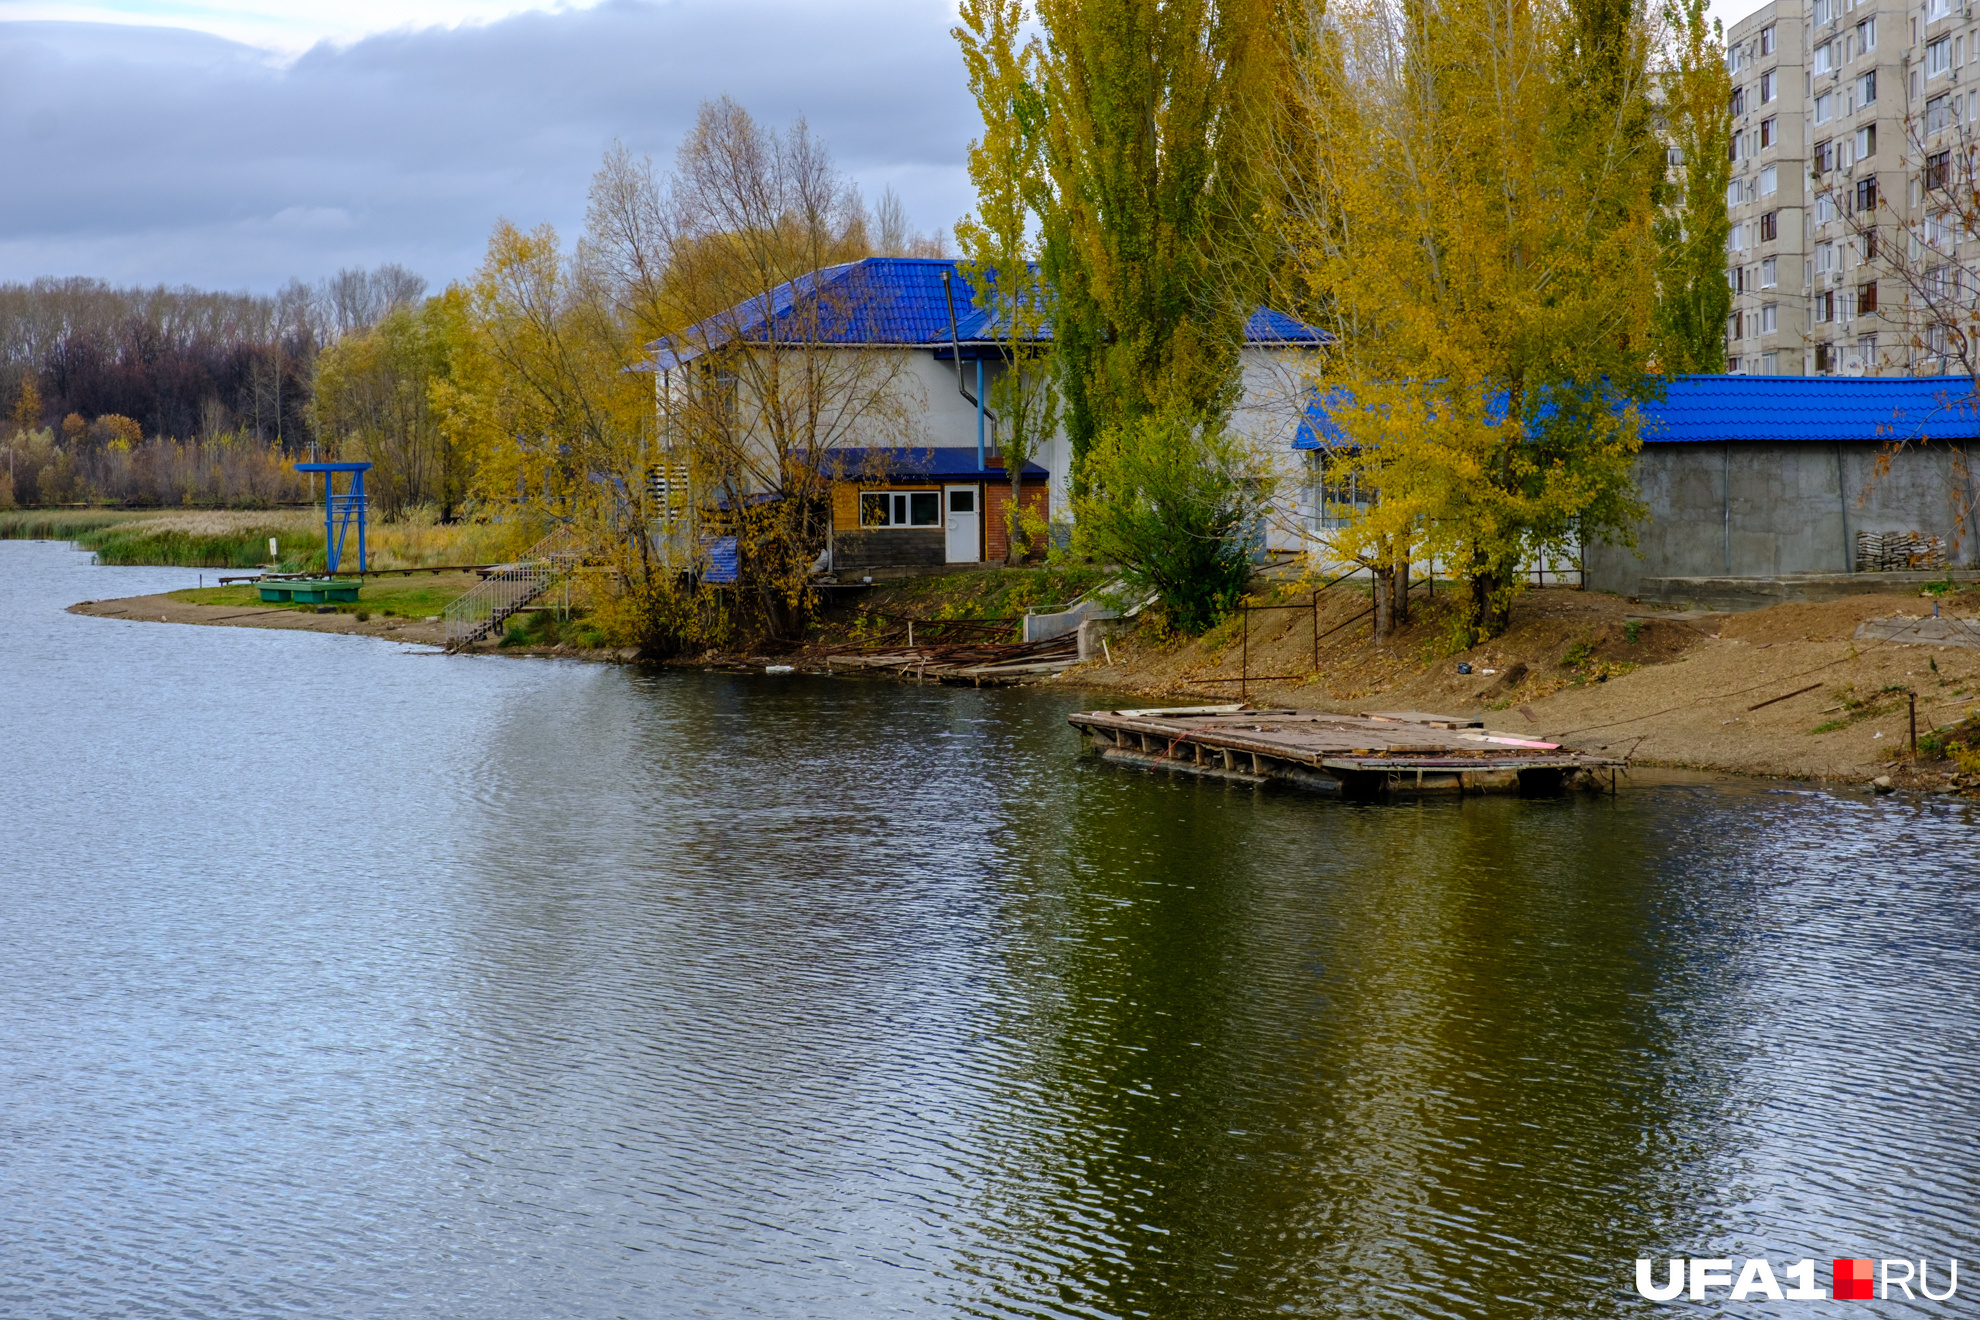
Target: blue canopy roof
pixel 1700 408
pixel 888 301
pixel 954 464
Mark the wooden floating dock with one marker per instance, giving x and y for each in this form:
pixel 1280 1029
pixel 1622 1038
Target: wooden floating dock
pixel 1377 755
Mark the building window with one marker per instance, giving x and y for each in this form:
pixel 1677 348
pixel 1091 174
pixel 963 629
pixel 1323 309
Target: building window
pixel 1825 307
pixel 1938 169
pixel 1767 270
pixel 1825 359
pixel 1866 298
pixel 900 508
pixel 1769 82
pixel 1770 227
pixel 1866 195
pixel 1821 12
pixel 1735 326
pixel 1770 319
pixel 1769 135
pixel 1866 142
pixel 1770 364
pixel 1825 258
pixel 1938 57
pixel 1866 351
pixel 1866 35
pixel 1738 102
pixel 1825 107
pixel 1769 182
pixel 1937 9
pixel 1824 158
pixel 1940 112
pixel 1825 209
pixel 1767 41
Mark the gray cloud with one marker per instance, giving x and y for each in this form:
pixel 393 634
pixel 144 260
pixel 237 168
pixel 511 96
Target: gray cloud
pixel 160 154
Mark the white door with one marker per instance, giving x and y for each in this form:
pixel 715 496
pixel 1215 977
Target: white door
pixel 961 519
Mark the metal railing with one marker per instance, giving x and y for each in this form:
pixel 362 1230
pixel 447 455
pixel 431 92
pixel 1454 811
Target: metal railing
pixel 508 588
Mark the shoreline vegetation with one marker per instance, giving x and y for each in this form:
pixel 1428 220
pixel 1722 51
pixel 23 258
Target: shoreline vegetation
pixel 238 539
pixel 1792 691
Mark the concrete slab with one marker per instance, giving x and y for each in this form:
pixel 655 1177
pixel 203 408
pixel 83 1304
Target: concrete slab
pixel 1922 632
pixel 1736 594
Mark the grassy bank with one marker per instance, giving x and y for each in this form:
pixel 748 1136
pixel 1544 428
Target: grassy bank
pixel 406 597
pixel 239 539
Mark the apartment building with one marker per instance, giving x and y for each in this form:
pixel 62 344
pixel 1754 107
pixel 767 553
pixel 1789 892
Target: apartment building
pixel 1768 199
pixel 1842 112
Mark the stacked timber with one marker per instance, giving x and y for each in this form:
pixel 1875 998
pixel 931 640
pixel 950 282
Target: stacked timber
pixel 1898 552
pixel 1383 753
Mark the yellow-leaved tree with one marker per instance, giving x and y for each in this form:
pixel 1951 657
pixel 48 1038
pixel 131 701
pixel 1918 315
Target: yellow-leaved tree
pixel 1002 258
pixel 537 398
pixel 1469 192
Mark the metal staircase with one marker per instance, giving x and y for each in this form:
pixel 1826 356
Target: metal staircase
pixel 508 588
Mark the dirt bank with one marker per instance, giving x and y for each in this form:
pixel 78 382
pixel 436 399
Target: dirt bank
pixel 1787 691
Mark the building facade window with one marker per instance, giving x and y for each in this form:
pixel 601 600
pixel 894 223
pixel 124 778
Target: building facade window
pixel 1866 35
pixel 1768 268
pixel 1866 89
pixel 1940 112
pixel 900 508
pixel 1825 58
pixel 1769 134
pixel 1770 364
pixel 1866 195
pixel 1770 319
pixel 1938 169
pixel 1770 226
pixel 1767 40
pixel 1768 86
pixel 1866 298
pixel 1866 142
pixel 1825 307
pixel 1938 57
pixel 1769 180
pixel 1823 158
pixel 1825 107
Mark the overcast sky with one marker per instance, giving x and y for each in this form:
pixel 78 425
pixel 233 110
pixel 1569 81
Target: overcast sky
pixel 238 143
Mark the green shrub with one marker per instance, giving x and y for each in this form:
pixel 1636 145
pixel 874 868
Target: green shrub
pixel 1176 503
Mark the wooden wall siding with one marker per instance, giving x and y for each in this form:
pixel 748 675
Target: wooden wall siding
pixel 996 500
pixel 890 547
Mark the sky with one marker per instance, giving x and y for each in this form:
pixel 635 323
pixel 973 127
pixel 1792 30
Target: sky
pixel 242 143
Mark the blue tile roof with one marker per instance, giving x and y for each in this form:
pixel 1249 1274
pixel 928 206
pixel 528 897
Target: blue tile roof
pixel 912 464
pixel 886 301
pixel 1812 408
pixel 1699 409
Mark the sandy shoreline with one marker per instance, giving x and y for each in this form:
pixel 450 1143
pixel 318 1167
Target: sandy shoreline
pixel 1743 694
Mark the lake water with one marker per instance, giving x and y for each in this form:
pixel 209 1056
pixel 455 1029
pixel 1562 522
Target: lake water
pixel 338 980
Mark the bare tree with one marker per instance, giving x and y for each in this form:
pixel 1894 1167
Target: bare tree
pixel 1908 265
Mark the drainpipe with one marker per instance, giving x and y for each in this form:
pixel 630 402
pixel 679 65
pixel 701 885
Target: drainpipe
pixel 1842 505
pixel 955 343
pixel 1727 445
pixel 979 415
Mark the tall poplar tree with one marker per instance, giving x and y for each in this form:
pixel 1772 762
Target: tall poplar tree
pixel 1693 298
pixel 1152 114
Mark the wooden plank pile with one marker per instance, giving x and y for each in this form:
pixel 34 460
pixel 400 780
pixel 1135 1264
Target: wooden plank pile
pixel 972 662
pixel 1376 754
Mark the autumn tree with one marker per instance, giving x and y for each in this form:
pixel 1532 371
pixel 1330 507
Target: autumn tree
pixel 374 400
pixel 1150 116
pixel 1472 206
pixel 1007 166
pixel 1693 298
pixel 757 389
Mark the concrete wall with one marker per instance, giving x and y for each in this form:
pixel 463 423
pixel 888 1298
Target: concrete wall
pixel 1795 508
